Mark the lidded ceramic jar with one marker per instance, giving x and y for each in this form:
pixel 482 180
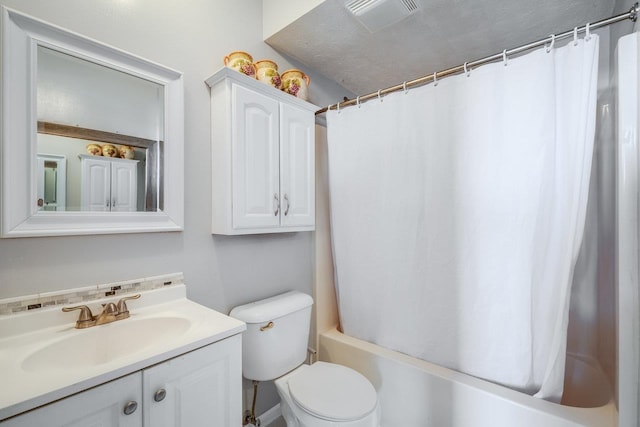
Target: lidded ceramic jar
pixel 126 151
pixel 94 149
pixel 267 72
pixel 108 150
pixel 240 61
pixel 295 83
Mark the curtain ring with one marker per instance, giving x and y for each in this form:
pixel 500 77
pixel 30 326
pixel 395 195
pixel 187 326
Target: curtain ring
pixel 379 96
pixel 435 79
pixel 504 57
pixel 575 36
pixel 358 101
pixel 404 87
pixel 465 69
pixel 553 40
pixel 587 36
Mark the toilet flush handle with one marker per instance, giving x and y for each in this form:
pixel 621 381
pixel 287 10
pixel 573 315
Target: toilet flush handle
pixel 267 326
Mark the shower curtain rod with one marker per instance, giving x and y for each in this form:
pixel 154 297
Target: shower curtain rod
pixel 632 14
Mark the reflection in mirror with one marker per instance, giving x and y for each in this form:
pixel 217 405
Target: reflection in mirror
pixel 109 127
pixel 52 184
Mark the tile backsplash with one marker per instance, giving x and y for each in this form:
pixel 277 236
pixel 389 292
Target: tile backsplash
pixel 87 294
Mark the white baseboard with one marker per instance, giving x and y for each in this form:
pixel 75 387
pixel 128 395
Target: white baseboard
pixel 270 415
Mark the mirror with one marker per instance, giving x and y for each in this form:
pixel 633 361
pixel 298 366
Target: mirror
pixel 93 114
pixel 92 140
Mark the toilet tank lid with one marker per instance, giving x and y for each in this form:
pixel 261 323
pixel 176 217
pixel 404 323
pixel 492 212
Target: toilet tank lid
pixel 272 308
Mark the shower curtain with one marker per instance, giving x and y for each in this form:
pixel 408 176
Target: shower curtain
pixel 457 214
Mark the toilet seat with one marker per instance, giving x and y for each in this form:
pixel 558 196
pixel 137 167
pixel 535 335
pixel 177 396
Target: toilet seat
pixel 333 392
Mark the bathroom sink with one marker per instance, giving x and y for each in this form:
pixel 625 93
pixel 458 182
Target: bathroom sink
pixel 105 343
pixel 44 358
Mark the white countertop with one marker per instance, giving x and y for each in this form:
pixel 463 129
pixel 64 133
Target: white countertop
pixel 24 334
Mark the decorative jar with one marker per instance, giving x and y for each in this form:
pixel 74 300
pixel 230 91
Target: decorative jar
pixel 267 72
pixel 242 62
pixel 295 83
pixel 94 149
pixel 108 150
pixel 126 151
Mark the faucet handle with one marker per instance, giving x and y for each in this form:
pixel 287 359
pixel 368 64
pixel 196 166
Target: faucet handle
pixel 123 311
pixel 85 319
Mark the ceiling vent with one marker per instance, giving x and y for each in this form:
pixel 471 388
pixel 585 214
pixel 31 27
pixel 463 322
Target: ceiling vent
pixel 377 14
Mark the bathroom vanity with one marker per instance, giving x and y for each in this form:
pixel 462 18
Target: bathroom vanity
pixel 171 363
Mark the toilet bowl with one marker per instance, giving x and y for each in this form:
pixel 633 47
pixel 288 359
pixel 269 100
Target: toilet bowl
pixel 274 347
pixel 327 395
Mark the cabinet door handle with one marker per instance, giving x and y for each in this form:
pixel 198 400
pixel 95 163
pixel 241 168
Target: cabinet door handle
pixel 286 199
pixel 130 407
pixel 159 395
pixel 277 203
pixel 108 203
pixel 113 202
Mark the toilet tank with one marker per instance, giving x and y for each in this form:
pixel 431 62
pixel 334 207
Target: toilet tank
pixel 277 334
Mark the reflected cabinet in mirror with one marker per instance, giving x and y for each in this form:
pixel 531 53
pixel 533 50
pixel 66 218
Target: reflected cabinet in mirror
pixel 92 141
pixel 84 108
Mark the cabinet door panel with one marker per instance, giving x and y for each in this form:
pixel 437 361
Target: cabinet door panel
pixel 297 167
pixel 96 185
pixel 100 406
pixel 255 159
pixel 124 185
pixel 202 388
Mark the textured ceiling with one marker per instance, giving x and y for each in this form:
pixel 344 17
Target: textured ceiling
pixel 440 35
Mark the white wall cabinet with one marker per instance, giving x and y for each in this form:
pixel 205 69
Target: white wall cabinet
pixel 202 387
pixel 263 164
pixel 108 184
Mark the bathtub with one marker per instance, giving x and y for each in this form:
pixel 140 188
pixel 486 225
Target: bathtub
pixel 415 393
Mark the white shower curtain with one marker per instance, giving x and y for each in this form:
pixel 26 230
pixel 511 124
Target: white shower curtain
pixel 457 213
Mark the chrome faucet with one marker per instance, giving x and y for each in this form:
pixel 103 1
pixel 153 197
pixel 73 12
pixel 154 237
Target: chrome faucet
pixel 110 313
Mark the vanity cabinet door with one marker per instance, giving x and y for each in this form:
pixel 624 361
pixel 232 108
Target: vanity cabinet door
pixel 203 387
pixel 102 406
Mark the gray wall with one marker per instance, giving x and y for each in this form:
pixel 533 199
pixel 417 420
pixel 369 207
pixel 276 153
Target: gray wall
pixel 220 272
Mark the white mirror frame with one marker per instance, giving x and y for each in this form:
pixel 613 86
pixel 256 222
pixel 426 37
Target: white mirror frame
pixel 21 35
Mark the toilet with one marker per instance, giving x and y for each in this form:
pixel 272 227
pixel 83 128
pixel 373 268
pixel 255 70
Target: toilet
pixel 274 347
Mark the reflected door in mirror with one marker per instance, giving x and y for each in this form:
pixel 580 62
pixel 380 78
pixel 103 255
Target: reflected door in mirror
pixel 52 179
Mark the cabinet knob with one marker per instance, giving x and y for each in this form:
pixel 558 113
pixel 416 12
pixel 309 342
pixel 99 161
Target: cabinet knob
pixel 277 203
pixel 130 407
pixel 159 395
